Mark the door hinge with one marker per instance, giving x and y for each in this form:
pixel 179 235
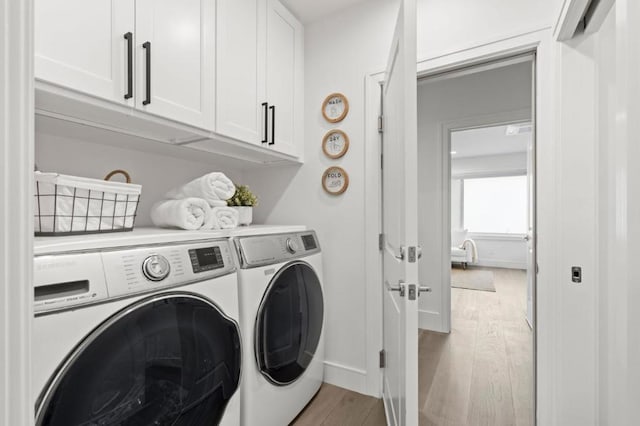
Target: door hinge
pixel 380 242
pixel 380 128
pixel 383 359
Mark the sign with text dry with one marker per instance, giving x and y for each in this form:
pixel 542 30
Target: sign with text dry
pixel 335 180
pixel 335 144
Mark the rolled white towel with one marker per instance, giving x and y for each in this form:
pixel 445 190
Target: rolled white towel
pixel 218 203
pixel 188 213
pixel 222 218
pixel 211 187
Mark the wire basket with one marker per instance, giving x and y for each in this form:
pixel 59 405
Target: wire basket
pixel 71 205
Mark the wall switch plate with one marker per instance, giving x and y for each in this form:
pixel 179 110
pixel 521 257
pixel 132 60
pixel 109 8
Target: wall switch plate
pixel 576 274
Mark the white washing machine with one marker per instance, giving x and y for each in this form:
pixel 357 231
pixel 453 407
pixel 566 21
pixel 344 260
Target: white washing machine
pixel 138 328
pixel 281 322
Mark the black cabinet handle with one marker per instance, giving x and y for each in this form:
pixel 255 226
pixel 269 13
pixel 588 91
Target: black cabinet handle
pixel 266 121
pixel 147 47
pixel 129 37
pixel 273 125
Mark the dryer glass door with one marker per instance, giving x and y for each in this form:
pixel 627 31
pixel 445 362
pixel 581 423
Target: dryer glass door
pixel 289 323
pixel 167 360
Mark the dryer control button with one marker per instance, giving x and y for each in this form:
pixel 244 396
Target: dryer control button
pixel 156 267
pixel 292 246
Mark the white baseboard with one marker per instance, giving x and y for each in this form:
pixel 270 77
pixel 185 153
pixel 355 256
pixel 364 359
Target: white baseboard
pixel 429 320
pixel 494 263
pixel 346 377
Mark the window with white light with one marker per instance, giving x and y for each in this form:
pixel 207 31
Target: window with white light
pixel 496 205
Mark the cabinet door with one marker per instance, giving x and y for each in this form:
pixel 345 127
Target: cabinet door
pixel 284 78
pixel 240 70
pixel 80 45
pixel 175 56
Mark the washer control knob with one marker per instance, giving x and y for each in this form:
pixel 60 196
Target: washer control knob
pixel 292 246
pixel 156 267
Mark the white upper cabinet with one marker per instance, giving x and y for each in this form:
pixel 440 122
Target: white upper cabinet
pixel 240 70
pixel 81 45
pixel 175 49
pixel 284 78
pixel 259 74
pixel 227 74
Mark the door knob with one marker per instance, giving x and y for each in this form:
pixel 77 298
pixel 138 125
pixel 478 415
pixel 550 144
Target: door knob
pixel 423 289
pixel 400 288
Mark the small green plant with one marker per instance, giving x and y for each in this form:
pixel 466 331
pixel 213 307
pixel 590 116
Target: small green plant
pixel 243 197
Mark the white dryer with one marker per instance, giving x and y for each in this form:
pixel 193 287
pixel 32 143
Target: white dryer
pixel 281 321
pixel 136 329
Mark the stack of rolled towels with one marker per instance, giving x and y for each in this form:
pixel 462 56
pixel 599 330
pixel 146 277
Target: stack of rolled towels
pixel 199 204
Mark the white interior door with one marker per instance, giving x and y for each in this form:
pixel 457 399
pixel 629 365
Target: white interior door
pixel 531 211
pixel 400 223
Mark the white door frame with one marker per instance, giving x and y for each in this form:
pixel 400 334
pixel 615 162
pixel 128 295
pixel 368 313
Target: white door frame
pixel 16 222
pixel 446 129
pixel 541 43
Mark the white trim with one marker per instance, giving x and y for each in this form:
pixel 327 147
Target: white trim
pixel 598 16
pixel 495 237
pixel 346 377
pixel 570 17
pixel 373 227
pixel 489 174
pixel 541 41
pixel 16 213
pixel 504 264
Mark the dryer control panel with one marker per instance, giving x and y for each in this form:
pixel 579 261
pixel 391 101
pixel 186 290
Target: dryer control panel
pixel 261 250
pixel 67 280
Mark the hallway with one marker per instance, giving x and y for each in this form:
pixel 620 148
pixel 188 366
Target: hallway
pixel 482 373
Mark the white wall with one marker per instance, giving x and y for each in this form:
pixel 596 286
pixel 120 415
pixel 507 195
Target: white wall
pixel 576 336
pixel 484 94
pixel 615 340
pixel 446 26
pixel 75 154
pixel 339 51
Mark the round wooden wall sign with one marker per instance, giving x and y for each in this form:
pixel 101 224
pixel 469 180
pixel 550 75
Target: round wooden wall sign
pixel 335 180
pixel 335 107
pixel 335 144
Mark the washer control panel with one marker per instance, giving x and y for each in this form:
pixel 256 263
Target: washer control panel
pixel 206 259
pixel 263 250
pixel 71 279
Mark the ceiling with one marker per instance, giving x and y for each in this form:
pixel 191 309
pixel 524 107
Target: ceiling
pixel 487 141
pixel 309 11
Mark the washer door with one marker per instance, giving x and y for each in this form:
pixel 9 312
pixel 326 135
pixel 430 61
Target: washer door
pixel 289 323
pixel 167 360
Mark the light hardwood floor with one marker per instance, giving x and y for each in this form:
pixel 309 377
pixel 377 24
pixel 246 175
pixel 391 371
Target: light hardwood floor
pixel 479 375
pixel 339 407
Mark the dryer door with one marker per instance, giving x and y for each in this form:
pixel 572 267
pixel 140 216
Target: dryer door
pixel 289 323
pixel 172 359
